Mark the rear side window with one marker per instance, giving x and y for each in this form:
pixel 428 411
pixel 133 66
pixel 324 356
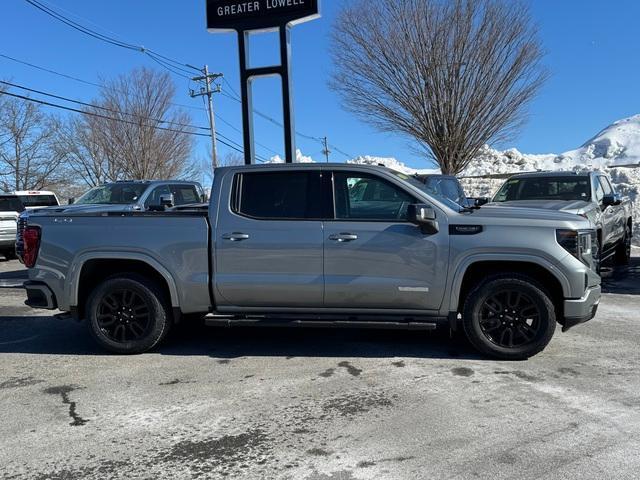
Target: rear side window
pixel 279 195
pixel 39 200
pixel 11 204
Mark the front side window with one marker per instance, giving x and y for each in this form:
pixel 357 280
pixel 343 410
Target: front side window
pixel 279 195
pixel 606 186
pixel 367 197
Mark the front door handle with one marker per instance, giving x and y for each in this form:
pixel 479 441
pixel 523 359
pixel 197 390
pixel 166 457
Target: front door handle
pixel 343 237
pixel 236 236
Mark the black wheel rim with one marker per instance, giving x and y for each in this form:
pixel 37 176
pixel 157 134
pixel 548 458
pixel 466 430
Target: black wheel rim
pixel 510 319
pixel 123 316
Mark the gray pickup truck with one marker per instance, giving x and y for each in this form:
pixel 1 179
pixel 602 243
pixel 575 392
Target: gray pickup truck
pixel 588 194
pixel 318 246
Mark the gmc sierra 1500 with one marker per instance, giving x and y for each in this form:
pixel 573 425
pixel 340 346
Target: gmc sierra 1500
pixel 317 245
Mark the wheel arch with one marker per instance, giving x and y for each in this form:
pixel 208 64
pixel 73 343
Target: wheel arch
pixel 90 269
pixel 474 269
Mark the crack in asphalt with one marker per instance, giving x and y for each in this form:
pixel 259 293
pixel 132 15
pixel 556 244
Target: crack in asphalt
pixel 64 391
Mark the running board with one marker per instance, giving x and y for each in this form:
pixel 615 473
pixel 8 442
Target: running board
pixel 219 321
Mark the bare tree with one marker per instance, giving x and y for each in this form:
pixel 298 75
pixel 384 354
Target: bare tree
pixel 28 159
pixel 453 75
pixel 134 133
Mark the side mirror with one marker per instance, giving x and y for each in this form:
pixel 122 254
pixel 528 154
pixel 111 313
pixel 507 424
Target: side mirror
pixel 480 201
pixel 612 200
pixel 424 216
pixel 167 201
pixel 71 201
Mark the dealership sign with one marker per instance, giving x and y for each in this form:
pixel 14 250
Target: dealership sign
pixel 242 15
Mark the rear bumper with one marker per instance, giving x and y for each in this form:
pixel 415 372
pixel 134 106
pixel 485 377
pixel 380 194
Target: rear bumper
pixel 39 295
pixel 581 310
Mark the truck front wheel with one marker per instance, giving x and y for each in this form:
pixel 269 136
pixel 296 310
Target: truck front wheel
pixel 128 314
pixel 510 317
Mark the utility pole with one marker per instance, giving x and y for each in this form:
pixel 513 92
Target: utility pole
pixel 208 80
pixel 326 150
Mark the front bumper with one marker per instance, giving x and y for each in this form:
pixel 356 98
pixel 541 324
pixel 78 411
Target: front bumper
pixel 581 310
pixel 39 295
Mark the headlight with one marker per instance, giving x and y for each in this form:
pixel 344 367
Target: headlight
pixel 578 243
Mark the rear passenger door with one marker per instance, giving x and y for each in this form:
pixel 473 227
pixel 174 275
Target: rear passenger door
pixel 269 242
pixel 374 257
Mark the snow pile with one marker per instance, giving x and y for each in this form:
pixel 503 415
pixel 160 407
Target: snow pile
pixel 391 163
pixel 300 158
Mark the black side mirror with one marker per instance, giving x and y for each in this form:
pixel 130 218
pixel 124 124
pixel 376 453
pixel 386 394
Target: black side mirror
pixel 611 200
pixel 71 201
pixel 480 201
pixel 167 201
pixel 424 216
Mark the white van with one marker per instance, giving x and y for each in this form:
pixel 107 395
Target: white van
pixel 37 199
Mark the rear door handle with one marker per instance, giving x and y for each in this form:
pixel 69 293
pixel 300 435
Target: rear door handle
pixel 236 236
pixel 343 237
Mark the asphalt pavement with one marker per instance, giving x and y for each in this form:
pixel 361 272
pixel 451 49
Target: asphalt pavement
pixel 318 404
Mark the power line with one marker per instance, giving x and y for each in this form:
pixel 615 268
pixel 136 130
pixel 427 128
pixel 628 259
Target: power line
pixel 176 67
pixel 99 85
pixel 228 142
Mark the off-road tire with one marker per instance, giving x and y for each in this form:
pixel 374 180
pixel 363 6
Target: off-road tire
pixel 475 319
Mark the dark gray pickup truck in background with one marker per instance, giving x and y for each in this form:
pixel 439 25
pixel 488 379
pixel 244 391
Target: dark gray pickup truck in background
pixel 588 194
pixel 317 245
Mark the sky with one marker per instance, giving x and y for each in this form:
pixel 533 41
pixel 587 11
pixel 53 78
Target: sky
pixel 593 53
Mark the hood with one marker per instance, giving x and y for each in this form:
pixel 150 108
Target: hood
pixel 572 206
pixel 505 210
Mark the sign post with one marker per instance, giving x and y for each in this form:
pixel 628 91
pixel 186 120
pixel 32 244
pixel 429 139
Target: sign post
pixel 250 16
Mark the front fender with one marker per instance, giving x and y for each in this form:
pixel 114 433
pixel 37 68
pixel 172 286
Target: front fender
pixel 463 265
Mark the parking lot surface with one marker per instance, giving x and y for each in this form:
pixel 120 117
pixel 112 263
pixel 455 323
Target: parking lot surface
pixel 318 404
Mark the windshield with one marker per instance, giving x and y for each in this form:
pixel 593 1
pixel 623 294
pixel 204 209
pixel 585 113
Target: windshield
pixel 11 204
pixel 38 200
pixel 545 188
pixel 427 189
pixel 113 194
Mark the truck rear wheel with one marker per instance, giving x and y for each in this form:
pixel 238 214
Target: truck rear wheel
pixel 510 317
pixel 128 314
pixel 623 250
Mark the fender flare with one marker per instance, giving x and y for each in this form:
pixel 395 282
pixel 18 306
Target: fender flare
pixel 463 266
pixel 73 286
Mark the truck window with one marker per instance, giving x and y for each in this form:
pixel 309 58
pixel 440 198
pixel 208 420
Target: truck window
pixel 367 197
pixel 279 195
pixel 38 200
pixel 154 197
pixel 11 204
pixel 445 187
pixel 544 188
pixel 599 192
pixel 606 186
pixel 185 194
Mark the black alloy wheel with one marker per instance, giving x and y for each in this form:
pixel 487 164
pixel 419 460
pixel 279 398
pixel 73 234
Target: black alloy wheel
pixel 509 318
pixel 124 316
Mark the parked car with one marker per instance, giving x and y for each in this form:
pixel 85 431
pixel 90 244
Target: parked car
pixel 300 245
pixel 138 196
pixel 10 208
pixel 450 187
pixel 588 194
pixel 32 199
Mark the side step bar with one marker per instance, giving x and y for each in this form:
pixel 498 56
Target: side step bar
pixel 230 322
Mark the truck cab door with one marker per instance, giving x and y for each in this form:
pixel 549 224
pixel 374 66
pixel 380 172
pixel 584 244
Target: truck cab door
pixel 268 251
pixel 374 258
